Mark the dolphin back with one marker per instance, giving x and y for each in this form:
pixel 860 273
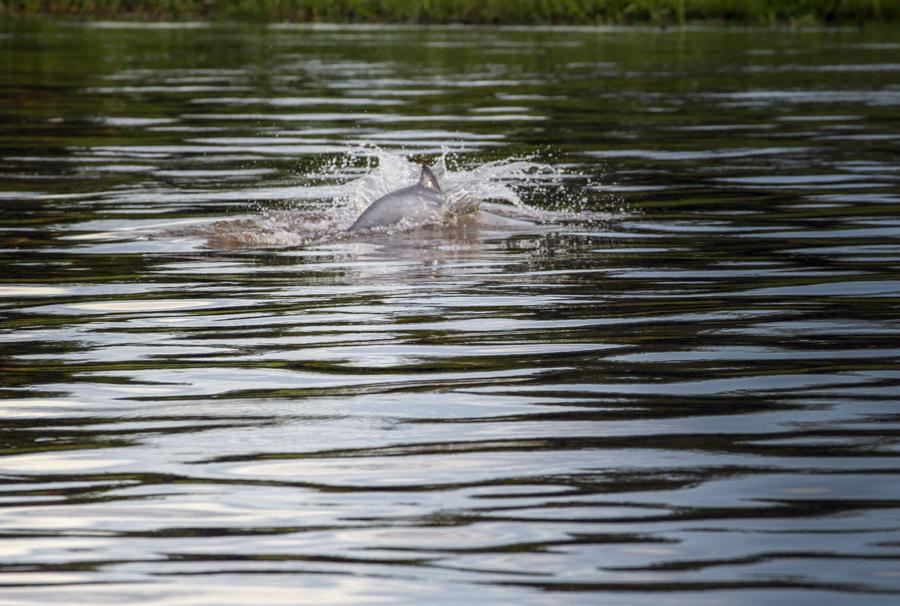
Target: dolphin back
pixel 414 204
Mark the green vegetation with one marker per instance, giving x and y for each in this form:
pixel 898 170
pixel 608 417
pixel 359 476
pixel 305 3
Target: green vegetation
pixel 751 12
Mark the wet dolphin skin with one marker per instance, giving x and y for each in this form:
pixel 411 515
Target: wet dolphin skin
pixel 415 204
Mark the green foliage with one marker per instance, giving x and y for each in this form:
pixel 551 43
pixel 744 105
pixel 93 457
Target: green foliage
pixel 659 12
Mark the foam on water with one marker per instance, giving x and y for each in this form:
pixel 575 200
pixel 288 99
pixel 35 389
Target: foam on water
pixel 487 196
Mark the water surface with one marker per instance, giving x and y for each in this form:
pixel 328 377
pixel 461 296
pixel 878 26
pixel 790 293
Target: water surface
pixel 694 400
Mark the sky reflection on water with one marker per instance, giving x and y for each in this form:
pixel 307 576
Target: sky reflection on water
pixel 690 400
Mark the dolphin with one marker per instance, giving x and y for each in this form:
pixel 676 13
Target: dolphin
pixel 416 204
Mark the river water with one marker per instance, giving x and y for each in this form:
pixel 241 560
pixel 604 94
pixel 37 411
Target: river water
pixel 676 382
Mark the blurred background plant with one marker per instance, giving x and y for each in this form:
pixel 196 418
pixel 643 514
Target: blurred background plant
pixel 656 12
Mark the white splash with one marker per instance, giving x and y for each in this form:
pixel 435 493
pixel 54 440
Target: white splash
pixel 465 189
pixel 489 195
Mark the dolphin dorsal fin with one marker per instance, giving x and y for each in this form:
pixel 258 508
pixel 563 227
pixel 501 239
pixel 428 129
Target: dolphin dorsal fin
pixel 428 180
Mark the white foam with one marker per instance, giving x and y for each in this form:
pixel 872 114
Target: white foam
pixel 489 194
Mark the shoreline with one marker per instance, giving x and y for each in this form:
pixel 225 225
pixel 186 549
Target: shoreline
pixel 591 13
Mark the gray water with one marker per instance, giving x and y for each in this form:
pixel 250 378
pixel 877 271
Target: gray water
pixel 691 401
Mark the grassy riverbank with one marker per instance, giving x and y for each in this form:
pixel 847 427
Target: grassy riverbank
pixel 658 12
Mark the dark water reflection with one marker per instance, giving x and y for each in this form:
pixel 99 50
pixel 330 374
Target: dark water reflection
pixel 696 403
